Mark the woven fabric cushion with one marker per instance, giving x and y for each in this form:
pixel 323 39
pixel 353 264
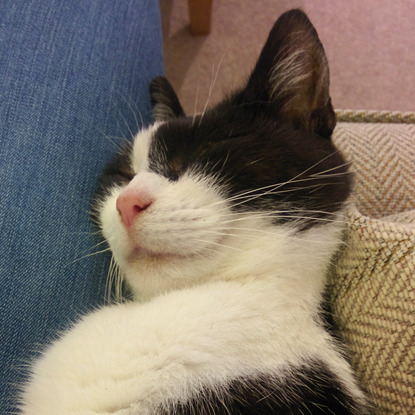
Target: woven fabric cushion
pixel 373 287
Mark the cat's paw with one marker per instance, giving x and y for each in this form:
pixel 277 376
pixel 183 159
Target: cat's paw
pixel 93 369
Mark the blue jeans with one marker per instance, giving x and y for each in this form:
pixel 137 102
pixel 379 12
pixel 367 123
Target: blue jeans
pixel 74 83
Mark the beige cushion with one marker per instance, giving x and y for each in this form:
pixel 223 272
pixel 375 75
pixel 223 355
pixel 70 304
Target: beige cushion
pixel 373 287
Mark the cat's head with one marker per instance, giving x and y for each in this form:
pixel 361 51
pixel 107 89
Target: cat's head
pixel 237 188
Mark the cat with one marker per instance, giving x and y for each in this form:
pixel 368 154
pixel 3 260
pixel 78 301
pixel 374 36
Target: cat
pixel 223 224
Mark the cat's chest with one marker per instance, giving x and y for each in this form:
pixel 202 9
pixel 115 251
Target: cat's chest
pixel 174 343
pixel 216 327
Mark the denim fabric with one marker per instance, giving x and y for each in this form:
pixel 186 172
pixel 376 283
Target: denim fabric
pixel 74 82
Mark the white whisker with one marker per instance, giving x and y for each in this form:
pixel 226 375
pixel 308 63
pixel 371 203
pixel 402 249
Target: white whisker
pixel 113 285
pixel 224 234
pixel 272 189
pixel 213 81
pixel 285 216
pixel 110 138
pixel 85 233
pixel 340 166
pixel 108 282
pixel 130 102
pixel 218 244
pixel 195 109
pixel 132 135
pixel 89 255
pixel 96 245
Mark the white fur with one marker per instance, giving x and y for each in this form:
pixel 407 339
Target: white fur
pixel 223 294
pixel 139 159
pixel 130 358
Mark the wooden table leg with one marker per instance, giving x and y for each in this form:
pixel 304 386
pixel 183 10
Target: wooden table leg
pixel 200 12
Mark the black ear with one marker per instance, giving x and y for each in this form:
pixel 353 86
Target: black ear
pixel 164 100
pixel 292 75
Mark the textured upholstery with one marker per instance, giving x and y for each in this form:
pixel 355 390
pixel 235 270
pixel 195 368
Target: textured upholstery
pixel 373 286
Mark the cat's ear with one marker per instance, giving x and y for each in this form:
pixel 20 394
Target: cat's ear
pixel 292 75
pixel 164 100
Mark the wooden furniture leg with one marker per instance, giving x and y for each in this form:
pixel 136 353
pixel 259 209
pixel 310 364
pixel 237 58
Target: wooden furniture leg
pixel 200 12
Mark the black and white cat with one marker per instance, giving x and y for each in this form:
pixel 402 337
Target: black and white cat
pixel 223 224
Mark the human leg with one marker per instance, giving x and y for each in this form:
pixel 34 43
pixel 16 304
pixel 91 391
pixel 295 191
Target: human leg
pixel 75 78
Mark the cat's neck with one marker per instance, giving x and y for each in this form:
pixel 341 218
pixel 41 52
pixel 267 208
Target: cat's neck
pixel 291 263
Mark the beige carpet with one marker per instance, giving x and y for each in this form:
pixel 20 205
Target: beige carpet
pixel 370 45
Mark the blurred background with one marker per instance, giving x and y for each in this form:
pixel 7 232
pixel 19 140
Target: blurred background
pixel 370 45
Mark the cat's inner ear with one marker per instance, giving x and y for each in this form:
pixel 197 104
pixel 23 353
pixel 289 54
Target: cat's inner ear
pixel 292 75
pixel 164 100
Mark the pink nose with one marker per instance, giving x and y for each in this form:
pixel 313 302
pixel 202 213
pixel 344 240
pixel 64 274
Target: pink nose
pixel 130 203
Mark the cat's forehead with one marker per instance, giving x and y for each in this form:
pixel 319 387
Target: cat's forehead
pixel 141 145
pixel 171 147
pixel 157 145
pixel 191 131
pixel 178 141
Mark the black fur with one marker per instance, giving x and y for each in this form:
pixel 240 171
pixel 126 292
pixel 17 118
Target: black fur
pixel 311 389
pixel 305 100
pixel 164 100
